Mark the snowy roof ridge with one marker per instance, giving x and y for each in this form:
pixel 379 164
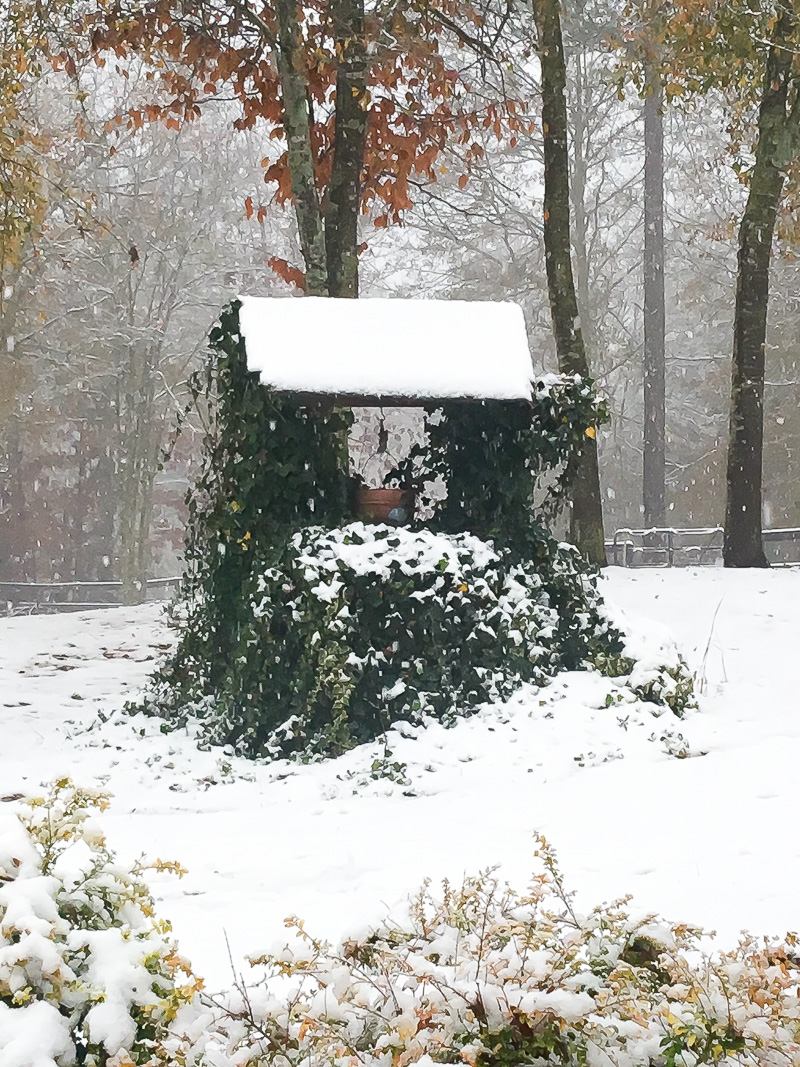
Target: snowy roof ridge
pixel 388 349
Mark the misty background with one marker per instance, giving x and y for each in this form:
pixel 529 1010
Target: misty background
pixel 147 233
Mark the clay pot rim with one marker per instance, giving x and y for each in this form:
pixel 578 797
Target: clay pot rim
pixel 383 492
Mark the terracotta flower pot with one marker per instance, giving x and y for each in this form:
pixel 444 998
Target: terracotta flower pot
pixel 393 506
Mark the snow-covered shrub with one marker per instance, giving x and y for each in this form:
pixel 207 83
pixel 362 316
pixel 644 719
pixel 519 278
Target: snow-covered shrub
pixel 88 975
pixel 483 976
pixel 649 661
pixel 358 627
pixel 477 974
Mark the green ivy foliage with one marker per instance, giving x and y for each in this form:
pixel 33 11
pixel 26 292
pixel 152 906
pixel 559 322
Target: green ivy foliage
pixel 507 465
pixel 355 628
pixel 286 647
pixel 269 467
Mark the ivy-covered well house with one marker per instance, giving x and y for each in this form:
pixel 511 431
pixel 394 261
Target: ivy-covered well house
pixel 319 607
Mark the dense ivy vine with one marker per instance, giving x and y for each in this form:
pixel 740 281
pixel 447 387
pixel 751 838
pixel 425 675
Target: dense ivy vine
pixel 269 467
pixel 507 465
pixel 357 627
pixel 303 633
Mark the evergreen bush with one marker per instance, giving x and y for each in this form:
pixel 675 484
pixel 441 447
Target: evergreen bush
pixel 358 627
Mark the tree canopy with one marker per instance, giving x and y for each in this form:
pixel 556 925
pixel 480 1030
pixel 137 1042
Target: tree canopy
pixel 410 79
pixel 21 194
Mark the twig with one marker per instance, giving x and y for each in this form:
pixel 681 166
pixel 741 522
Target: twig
pixel 701 678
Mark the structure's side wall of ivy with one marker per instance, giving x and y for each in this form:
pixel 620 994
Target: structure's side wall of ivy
pixel 495 456
pixel 358 627
pixel 269 468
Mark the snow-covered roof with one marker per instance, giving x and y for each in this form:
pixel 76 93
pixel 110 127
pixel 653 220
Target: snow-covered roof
pixel 397 350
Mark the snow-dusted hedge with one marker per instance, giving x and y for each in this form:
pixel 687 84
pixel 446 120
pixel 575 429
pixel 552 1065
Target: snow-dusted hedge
pixel 355 628
pixel 484 976
pixel 477 974
pixel 87 974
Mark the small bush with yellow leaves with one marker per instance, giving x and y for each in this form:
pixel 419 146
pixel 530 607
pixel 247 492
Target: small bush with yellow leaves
pixel 483 976
pixel 88 975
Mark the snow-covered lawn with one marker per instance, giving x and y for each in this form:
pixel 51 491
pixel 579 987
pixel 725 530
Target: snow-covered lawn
pixel 709 839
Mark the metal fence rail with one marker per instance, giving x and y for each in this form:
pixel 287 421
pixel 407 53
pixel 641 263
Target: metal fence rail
pixel 34 597
pixel 698 547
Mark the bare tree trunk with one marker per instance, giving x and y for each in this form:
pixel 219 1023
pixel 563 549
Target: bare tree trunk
pixel 297 122
pixel 743 542
pixel 344 189
pixel 135 474
pixel 587 511
pixel 654 456
pixel 578 196
pixel 17 561
pixel 135 515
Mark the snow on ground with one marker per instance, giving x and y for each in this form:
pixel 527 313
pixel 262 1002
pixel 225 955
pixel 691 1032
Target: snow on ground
pixel 709 839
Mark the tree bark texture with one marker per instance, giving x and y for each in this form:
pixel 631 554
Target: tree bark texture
pixel 587 512
pixel 137 462
pixel 581 105
pixel 742 541
pixel 350 134
pixel 654 453
pixel 297 123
